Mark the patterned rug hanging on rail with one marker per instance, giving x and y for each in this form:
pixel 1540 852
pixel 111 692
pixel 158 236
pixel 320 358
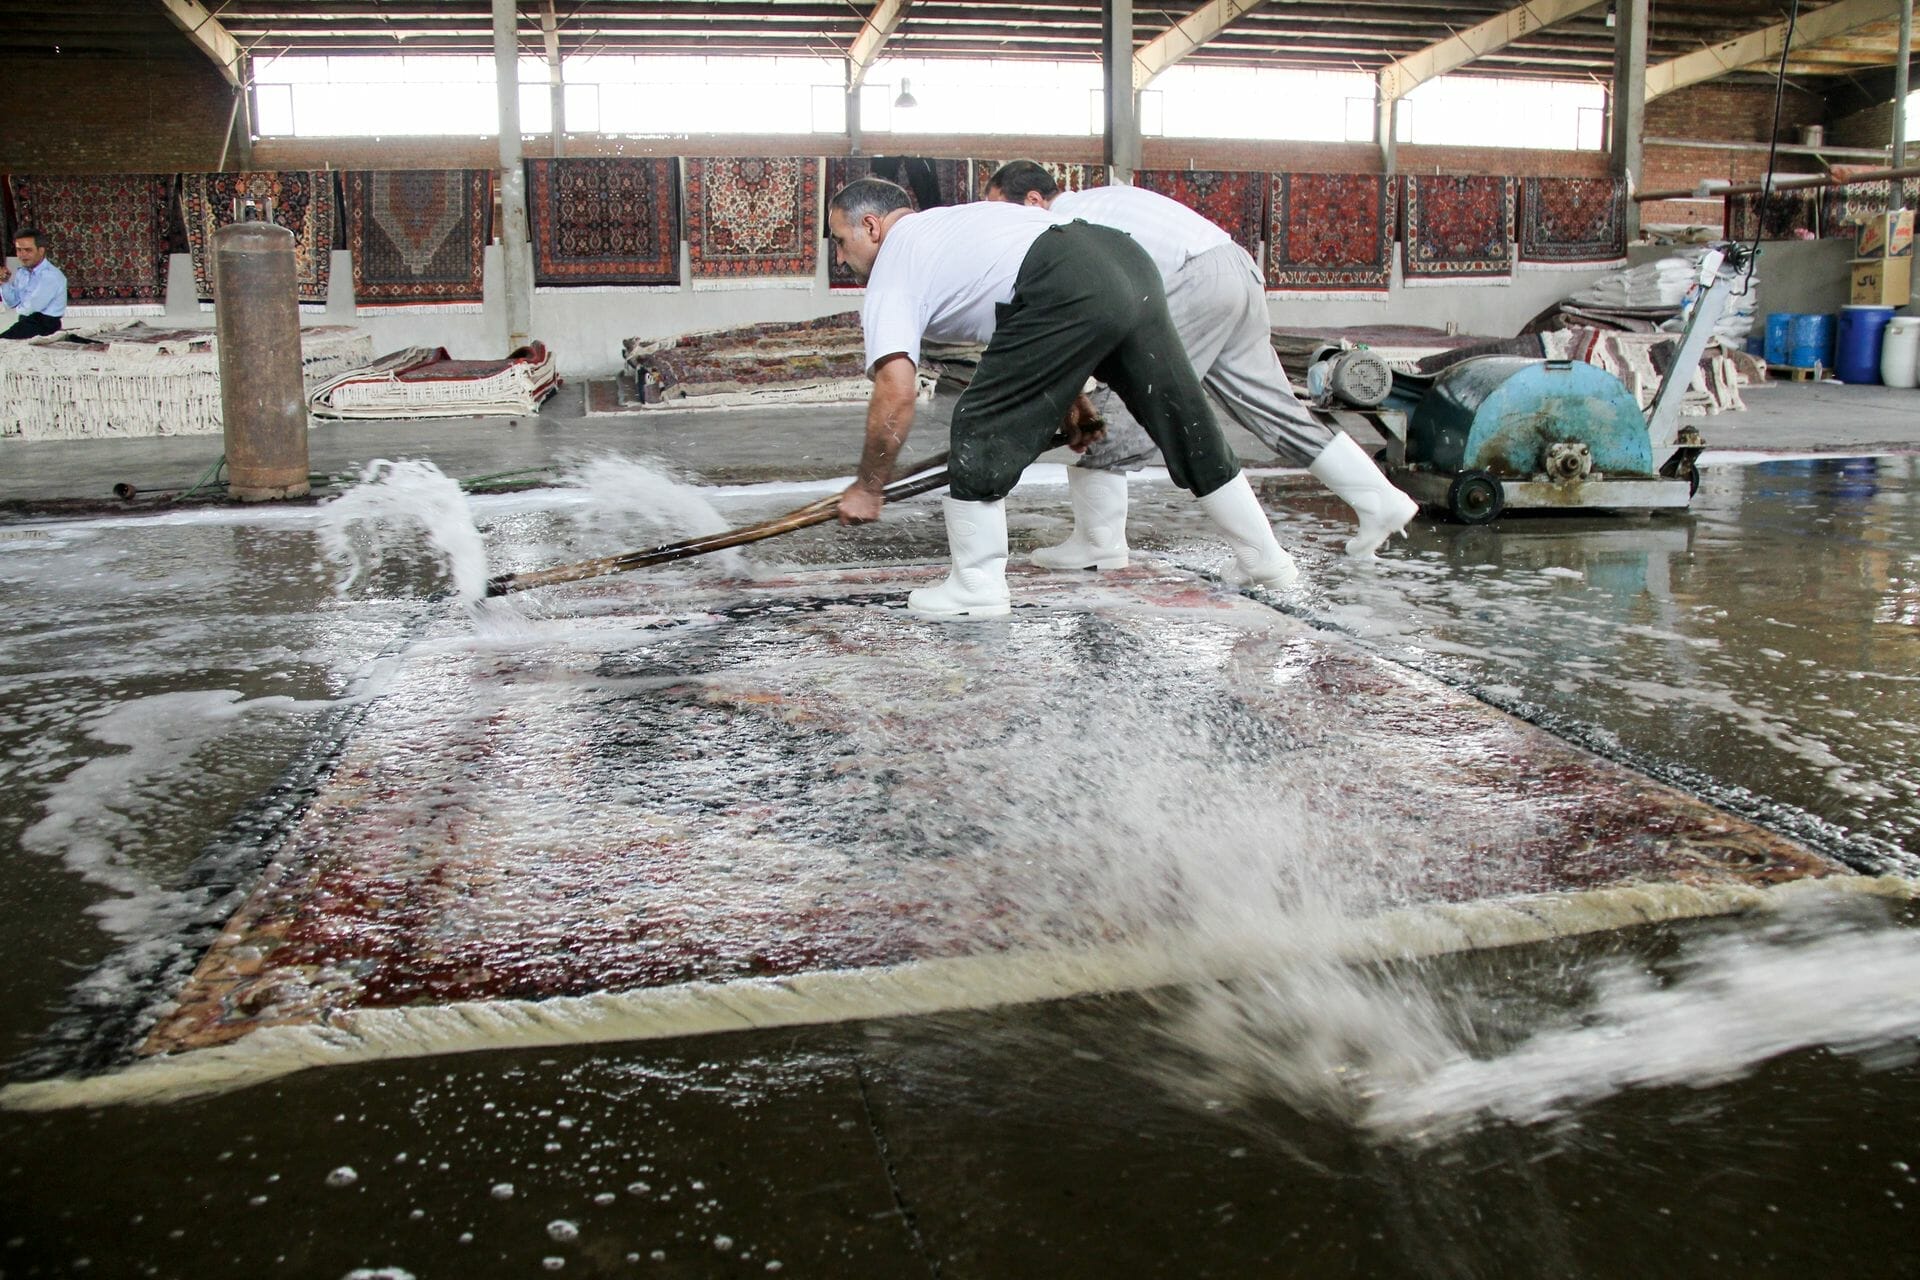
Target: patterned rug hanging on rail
pixel 1330 235
pixel 1068 177
pixel 1846 206
pixel 419 239
pixel 604 223
pixel 299 200
pixel 1572 224
pixel 1459 230
pixel 1781 215
pixel 930 184
pixel 753 223
pixel 1234 202
pixel 107 233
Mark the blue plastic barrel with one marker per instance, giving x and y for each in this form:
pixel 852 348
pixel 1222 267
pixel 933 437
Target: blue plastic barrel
pixel 1810 341
pixel 1775 350
pixel 1858 356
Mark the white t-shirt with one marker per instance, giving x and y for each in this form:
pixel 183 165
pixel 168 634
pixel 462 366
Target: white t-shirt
pixel 1168 230
pixel 940 272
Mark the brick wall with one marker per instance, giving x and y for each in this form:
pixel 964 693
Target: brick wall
pixel 163 113
pixel 1870 128
pixel 1717 113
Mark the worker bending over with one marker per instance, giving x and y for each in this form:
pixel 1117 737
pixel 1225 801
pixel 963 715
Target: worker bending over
pixel 1219 307
pixel 1055 302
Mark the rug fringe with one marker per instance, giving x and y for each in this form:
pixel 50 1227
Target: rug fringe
pixel 420 309
pixel 1327 295
pixel 1435 282
pixel 1602 264
pixel 915 988
pixel 607 288
pixel 763 282
pixel 116 308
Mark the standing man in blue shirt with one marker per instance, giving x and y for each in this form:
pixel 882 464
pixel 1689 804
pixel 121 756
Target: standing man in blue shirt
pixel 37 290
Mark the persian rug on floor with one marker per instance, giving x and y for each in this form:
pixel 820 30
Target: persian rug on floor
pixel 1782 215
pixel 138 380
pixel 1330 235
pixel 753 223
pixel 930 184
pixel 419 238
pixel 1068 177
pixel 108 234
pixel 819 361
pixel 425 382
pixel 680 803
pixel 299 200
pixel 1233 201
pixel 1572 224
pixel 1459 230
pixel 604 223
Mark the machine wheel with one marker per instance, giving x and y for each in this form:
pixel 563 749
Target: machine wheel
pixel 1475 497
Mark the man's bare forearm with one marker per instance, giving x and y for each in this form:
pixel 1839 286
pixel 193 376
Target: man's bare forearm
pixel 889 419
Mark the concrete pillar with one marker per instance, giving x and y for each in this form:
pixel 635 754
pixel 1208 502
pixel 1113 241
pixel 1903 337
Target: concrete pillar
pixel 1123 104
pixel 556 76
pixel 1629 98
pixel 516 266
pixel 853 115
pixel 263 398
pixel 1386 126
pixel 1900 87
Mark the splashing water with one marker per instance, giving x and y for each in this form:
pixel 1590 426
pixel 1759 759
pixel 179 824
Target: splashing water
pixel 377 526
pixel 1737 1000
pixel 630 502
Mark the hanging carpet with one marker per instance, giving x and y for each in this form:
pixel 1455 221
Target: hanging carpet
pixel 753 223
pixel 1459 230
pixel 107 233
pixel 1782 215
pixel 1572 223
pixel 1234 202
pixel 419 238
pixel 929 184
pixel 299 200
pixel 1330 235
pixel 604 223
pixel 1068 177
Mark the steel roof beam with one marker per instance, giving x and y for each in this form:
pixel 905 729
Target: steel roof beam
pixel 1764 45
pixel 207 35
pixel 1186 35
pixel 878 29
pixel 1402 76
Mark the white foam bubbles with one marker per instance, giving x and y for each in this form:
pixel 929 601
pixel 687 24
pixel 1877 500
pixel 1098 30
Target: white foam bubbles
pixel 397 511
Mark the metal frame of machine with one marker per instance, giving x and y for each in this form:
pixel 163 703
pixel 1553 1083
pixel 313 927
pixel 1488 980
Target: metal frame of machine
pixel 1498 433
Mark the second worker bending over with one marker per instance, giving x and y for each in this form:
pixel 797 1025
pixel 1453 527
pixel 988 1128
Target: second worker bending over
pixel 1219 308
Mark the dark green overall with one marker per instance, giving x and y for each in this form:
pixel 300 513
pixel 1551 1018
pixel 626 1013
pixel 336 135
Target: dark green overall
pixel 1088 302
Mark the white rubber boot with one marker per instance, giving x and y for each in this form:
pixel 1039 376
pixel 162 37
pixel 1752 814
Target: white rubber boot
pixel 1344 467
pixel 1257 556
pixel 1099 538
pixel 976 587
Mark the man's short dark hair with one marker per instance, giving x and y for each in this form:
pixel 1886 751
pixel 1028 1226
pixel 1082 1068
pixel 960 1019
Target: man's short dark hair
pixel 1016 178
pixel 863 196
pixel 29 233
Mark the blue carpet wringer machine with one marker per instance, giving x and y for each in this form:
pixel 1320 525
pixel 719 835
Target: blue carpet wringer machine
pixel 1498 433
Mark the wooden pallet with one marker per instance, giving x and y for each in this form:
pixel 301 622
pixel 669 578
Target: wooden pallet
pixel 1796 372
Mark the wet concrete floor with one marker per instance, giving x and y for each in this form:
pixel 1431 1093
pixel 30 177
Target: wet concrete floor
pixel 1763 649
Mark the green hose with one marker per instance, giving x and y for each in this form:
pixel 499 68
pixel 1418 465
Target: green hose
pixel 476 484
